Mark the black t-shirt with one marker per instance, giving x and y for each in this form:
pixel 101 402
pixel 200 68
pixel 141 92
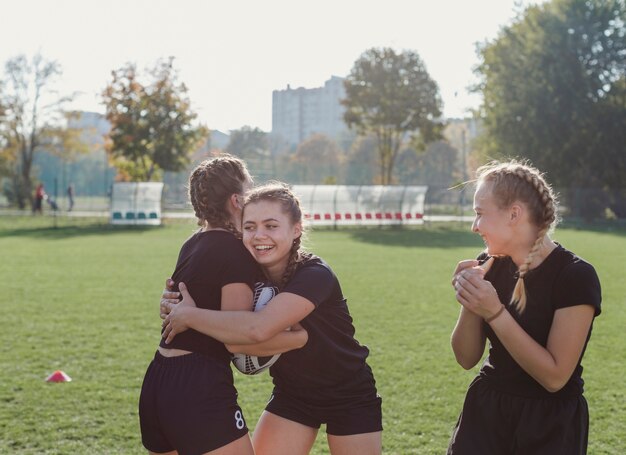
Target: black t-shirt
pixel 332 359
pixel 561 280
pixel 208 261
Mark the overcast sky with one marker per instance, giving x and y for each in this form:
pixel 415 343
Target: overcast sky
pixel 232 54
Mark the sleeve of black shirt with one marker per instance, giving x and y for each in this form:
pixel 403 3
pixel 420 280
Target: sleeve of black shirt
pixel 312 281
pixel 578 284
pixel 238 266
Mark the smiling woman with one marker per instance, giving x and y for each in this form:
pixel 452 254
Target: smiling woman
pixel 270 236
pixel 188 401
pixel 535 301
pixel 328 381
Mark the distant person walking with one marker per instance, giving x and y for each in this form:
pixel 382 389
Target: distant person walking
pixel 70 197
pixel 40 195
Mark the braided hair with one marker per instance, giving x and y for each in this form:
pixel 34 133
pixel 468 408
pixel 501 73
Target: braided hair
pixel 211 185
pixel 290 205
pixel 518 181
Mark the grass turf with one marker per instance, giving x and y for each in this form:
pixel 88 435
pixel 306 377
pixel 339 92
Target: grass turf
pixel 83 297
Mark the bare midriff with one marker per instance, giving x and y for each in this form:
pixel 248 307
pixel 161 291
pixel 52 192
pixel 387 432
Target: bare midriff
pixel 172 352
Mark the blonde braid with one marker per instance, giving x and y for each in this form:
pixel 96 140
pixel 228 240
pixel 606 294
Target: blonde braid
pixel 532 177
pixel 519 292
pixel 520 181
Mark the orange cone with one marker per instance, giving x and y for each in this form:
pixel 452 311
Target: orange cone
pixel 58 376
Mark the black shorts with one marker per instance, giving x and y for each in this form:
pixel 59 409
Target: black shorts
pixel 497 423
pixel 189 404
pixel 357 416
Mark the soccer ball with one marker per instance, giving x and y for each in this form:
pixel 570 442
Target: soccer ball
pixel 251 364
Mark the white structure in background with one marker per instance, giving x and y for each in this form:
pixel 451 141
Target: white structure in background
pixel 361 205
pixel 136 203
pixel 299 113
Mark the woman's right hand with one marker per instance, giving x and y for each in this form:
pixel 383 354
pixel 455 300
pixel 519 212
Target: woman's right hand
pixel 462 265
pixel 301 334
pixel 177 320
pixel 476 294
pixel 169 298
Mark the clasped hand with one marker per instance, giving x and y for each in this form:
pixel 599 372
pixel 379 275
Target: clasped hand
pixel 174 312
pixel 169 298
pixel 474 292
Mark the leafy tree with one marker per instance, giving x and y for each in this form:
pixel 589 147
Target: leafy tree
pixel 282 164
pixel 253 145
pixel 152 125
pixel 362 162
pixel 554 88
pixel 5 167
pixel 391 96
pixel 248 142
pixel 436 166
pixel 32 120
pixel 318 159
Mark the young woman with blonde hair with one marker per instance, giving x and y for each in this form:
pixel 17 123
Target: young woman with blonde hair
pixel 535 302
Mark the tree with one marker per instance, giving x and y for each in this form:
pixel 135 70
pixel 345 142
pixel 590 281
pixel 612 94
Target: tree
pixel 252 145
pixel 361 161
pixel 553 85
pixel 437 166
pixel 4 158
pixel 391 96
pixel 247 142
pixel 318 159
pixel 152 125
pixel 32 120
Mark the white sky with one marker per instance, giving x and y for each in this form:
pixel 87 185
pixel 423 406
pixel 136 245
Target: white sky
pixel 233 53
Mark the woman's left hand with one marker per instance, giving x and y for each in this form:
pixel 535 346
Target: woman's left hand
pixel 476 294
pixel 177 319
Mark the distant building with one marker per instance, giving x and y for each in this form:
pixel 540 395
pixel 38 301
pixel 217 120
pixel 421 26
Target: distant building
pixel 95 125
pixel 299 113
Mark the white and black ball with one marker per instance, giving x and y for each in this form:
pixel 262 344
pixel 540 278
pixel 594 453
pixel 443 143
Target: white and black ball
pixel 251 364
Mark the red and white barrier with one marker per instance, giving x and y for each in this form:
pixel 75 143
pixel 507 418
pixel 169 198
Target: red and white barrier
pixel 361 205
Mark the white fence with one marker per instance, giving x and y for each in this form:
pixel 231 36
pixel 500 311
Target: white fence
pixel 136 203
pixel 362 205
pixel 322 205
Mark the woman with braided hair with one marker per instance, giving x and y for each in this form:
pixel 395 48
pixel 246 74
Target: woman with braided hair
pixel 188 402
pixel 328 381
pixel 535 302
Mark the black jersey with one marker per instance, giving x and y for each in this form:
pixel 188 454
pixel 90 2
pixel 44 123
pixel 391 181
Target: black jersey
pixel 561 280
pixel 208 261
pixel 332 356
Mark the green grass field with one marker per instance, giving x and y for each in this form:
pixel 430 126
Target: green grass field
pixel 84 298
